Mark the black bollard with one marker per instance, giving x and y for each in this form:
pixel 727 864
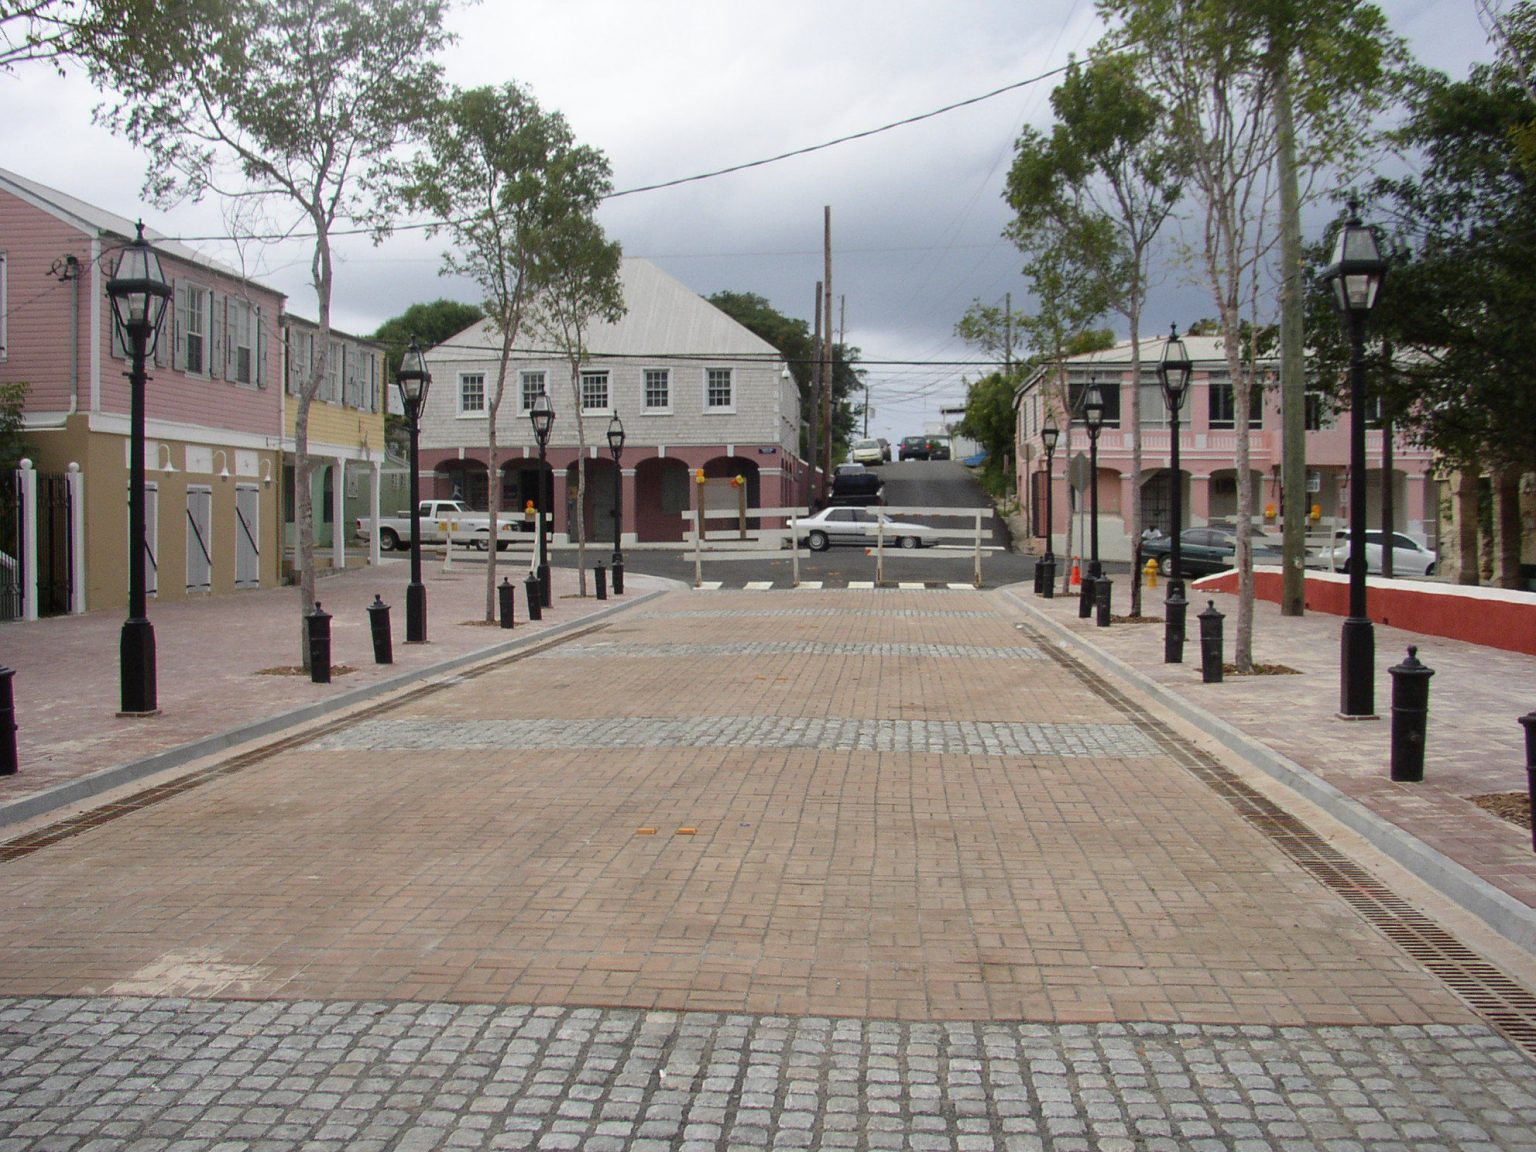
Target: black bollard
pixel 602 581
pixel 1103 586
pixel 1175 613
pixel 618 577
pixel 1048 578
pixel 319 624
pixel 1528 721
pixel 535 596
pixel 1210 644
pixel 1087 591
pixel 1410 717
pixel 1039 576
pixel 8 760
pixel 507 600
pixel 378 625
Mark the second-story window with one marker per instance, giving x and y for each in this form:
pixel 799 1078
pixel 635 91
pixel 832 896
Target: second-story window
pixel 191 351
pixel 1222 404
pixel 331 392
pixel 594 391
pixel 658 389
pixel 530 387
pixel 719 393
pixel 240 341
pixel 472 394
pixel 1109 392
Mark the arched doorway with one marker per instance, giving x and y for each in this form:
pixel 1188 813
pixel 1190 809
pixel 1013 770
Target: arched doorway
pixel 464 480
pixel 661 497
pixel 1156 509
pixel 601 500
pixel 520 485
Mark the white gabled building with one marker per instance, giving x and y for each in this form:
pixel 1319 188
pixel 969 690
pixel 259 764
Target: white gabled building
pixel 693 388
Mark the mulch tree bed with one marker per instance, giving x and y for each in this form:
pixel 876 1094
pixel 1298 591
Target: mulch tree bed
pixel 1512 806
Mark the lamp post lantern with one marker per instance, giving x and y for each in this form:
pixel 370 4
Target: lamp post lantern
pixel 1049 434
pixel 1093 421
pixel 616 447
pixel 542 416
pixel 139 292
pixel 414 380
pixel 1356 275
pixel 1173 373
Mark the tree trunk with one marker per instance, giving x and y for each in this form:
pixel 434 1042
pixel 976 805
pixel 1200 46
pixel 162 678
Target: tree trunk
pixel 1293 381
pixel 304 507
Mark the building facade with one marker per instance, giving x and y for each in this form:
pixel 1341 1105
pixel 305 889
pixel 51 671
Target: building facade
pixel 212 404
pixel 1208 480
pixel 695 391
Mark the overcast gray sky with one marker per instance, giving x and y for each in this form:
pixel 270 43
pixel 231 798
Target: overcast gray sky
pixel 674 88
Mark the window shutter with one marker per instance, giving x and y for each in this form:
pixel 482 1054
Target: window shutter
pixel 215 338
pixel 261 349
pixel 177 326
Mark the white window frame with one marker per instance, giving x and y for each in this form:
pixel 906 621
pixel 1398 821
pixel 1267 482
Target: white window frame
pixel 240 317
pixel 709 387
pixel 596 377
pixel 466 379
pixel 665 376
pixel 529 385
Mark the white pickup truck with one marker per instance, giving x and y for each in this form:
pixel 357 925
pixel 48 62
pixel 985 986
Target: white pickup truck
pixel 440 520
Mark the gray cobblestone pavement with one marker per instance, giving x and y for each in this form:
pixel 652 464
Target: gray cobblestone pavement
pixel 192 1076
pixel 964 738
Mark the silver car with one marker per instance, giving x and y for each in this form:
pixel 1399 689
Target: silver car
pixel 857 526
pixel 1409 557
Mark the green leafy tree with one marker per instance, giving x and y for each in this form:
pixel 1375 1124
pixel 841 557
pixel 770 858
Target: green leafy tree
pixel 506 177
pixel 991 420
pixel 429 324
pixel 13 441
pixel 296 108
pixel 583 286
pixel 1109 175
pixel 1215 65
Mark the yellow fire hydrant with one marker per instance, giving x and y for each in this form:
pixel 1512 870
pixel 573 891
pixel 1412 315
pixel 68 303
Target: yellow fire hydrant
pixel 1150 572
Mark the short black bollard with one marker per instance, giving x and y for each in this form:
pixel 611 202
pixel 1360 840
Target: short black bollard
pixel 319 625
pixel 1087 594
pixel 618 577
pixel 1048 579
pixel 1528 722
pixel 8 760
pixel 378 625
pixel 1101 601
pixel 1039 576
pixel 535 595
pixel 1410 717
pixel 1210 644
pixel 602 580
pixel 1176 610
pixel 507 597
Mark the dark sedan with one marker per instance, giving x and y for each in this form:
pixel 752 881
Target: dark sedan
pixel 1203 551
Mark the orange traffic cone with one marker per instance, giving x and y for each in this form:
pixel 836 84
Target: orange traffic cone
pixel 1077 573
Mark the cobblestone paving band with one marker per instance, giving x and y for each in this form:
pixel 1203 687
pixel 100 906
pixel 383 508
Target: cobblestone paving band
pixel 948 737
pixel 145 1073
pixel 608 651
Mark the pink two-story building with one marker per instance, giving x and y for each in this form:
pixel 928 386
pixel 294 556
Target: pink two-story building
pixel 213 404
pixel 1207 452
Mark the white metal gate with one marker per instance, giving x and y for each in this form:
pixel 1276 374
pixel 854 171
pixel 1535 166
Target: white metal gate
pixel 199 539
pixel 247 537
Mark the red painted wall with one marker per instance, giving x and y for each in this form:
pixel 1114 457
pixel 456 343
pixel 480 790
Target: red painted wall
pixel 1494 617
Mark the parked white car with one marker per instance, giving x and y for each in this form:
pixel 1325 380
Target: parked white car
pixel 1409 557
pixel 867 452
pixel 857 526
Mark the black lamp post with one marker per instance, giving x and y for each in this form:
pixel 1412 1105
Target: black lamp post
pixel 1173 372
pixel 542 415
pixel 1356 275
pixel 1048 436
pixel 616 447
pixel 139 292
pixel 1093 420
pixel 413 380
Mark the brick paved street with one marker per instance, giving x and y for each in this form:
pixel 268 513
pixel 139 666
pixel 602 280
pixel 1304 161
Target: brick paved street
pixel 856 869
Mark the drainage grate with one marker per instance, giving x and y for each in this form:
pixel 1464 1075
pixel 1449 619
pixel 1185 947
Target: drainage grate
pixel 148 797
pixel 1481 986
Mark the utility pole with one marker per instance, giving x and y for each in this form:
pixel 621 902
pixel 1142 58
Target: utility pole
pixel 828 377
pixel 815 454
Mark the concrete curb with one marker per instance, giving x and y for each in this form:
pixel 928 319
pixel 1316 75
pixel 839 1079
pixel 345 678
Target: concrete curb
pixel 1501 912
pixel 77 791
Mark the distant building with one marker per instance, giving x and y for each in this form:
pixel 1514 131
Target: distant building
pixel 694 390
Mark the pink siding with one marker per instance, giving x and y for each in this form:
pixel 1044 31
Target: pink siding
pixel 38 305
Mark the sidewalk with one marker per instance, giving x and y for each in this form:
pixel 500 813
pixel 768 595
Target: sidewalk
pixel 1287 725
pixel 227 670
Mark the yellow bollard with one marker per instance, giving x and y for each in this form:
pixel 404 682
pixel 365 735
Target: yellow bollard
pixel 1150 572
